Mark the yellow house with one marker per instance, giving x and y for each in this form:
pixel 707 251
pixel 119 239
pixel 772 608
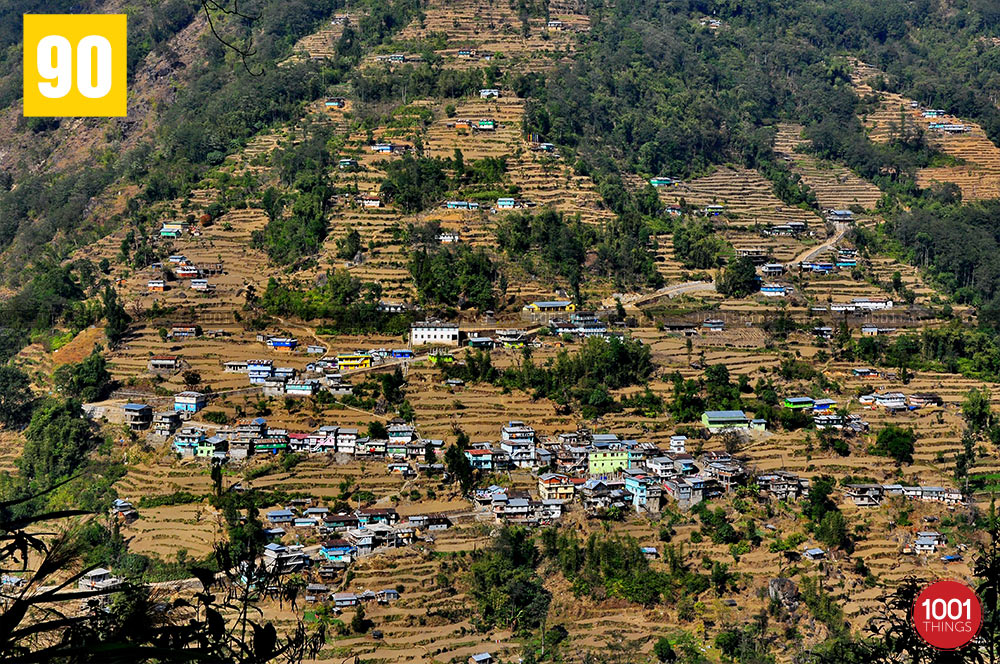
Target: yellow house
pixel 353 361
pixel 600 462
pixel 550 306
pixel 553 486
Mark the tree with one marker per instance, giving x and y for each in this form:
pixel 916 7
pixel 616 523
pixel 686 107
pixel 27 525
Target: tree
pixel 832 530
pixel 117 319
pixel 349 245
pixel 739 279
pixel 89 380
pixel 976 409
pixel 359 624
pixel 818 504
pixel 15 396
pixel 191 378
pixel 41 620
pixel 57 442
pixel 459 467
pixel 377 430
pixel 664 653
pixel 896 442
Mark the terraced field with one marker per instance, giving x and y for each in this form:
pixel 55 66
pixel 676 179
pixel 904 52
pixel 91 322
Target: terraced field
pixel 835 186
pixel 493 26
pixel 978 174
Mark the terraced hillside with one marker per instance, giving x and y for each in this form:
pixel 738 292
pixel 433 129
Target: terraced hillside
pixel 978 171
pixel 835 186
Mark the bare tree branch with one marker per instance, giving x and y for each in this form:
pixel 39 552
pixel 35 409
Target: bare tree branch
pixel 245 50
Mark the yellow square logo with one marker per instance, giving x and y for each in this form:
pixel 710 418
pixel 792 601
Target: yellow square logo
pixel 75 65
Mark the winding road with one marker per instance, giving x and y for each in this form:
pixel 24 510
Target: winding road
pixel 809 254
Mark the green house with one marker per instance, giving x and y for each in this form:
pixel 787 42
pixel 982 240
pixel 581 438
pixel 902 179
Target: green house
pixel 719 420
pixel 798 403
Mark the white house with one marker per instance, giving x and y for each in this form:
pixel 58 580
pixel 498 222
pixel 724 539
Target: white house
pixel 427 332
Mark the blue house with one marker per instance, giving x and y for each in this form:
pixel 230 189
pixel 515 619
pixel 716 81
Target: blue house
pixel 285 344
pixel 338 550
pixel 190 402
pixel 281 516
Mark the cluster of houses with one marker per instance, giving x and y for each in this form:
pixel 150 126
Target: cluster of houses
pixel 872 495
pixel 396 58
pixel 790 229
pixel 600 471
pixel 945 127
pixel 475 54
pixel 348 536
pixel 184 269
pixel 846 258
pixel 390 148
pixel 249 436
pixel 895 402
pixel 560 315
pixel 482 124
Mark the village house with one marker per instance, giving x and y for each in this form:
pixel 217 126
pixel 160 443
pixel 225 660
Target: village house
pixel 724 420
pixel 645 492
pixel 489 93
pixel 282 344
pixel 424 333
pixel 872 303
pixel 782 485
pixel 165 423
pixel 518 440
pixel 370 200
pixel 864 495
pixel 798 403
pixel 183 331
pixel 98 579
pixel 891 400
pixel 259 371
pixel 727 473
pixel 664 182
pixel 840 215
pixel 606 461
pixel 480 459
pixel 189 402
pixel 163 363
pixel 921 399
pixel 187 440
pixel 814 554
pixel 555 486
pixel 138 416
pixel 279 559
pixel 550 306
pixel 122 511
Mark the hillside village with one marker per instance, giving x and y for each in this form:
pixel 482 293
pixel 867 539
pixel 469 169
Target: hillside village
pixel 748 400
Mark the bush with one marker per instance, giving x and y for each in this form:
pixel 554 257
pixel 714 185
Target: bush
pixel 896 442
